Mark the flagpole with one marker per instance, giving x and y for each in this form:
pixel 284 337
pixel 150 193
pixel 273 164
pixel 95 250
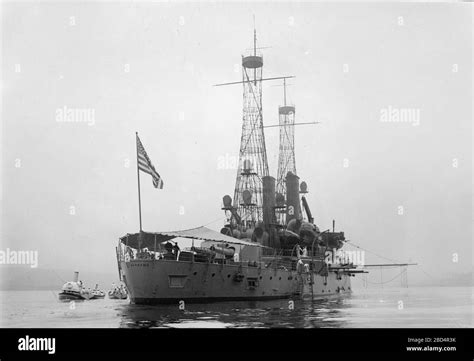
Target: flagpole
pixel 138 176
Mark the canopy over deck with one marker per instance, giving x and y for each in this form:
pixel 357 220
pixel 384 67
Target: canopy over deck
pixel 200 233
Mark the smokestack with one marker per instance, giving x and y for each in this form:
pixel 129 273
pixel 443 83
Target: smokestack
pixel 293 209
pixel 268 201
pixel 76 276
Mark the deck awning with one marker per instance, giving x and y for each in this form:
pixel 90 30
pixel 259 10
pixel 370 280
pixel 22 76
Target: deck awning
pixel 199 233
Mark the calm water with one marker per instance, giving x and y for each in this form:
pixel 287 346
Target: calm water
pixel 422 307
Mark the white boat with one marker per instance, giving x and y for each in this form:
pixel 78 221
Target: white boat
pixel 97 293
pixel 74 290
pixel 118 293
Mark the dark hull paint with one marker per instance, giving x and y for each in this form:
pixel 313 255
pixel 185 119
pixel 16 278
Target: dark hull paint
pixel 68 296
pixel 161 301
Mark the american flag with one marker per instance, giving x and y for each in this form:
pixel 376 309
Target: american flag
pixel 144 164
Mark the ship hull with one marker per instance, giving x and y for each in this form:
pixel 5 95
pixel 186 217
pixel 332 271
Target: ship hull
pixel 171 281
pixel 71 295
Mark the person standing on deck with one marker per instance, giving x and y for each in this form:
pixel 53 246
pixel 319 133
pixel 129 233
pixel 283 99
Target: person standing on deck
pixel 176 249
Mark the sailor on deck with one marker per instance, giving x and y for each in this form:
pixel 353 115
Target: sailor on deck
pixel 299 251
pixel 176 249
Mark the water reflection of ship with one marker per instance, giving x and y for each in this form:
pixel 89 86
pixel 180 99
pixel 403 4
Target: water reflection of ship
pixel 269 248
pixel 324 312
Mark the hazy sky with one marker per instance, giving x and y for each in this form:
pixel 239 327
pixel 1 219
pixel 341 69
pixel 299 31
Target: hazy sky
pixel 150 68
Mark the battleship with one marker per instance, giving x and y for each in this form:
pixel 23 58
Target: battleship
pixel 269 247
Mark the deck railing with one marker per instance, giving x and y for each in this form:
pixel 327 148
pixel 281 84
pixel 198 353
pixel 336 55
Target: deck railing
pixel 270 258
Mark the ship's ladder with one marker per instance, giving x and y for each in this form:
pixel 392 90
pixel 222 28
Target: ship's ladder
pixel 300 286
